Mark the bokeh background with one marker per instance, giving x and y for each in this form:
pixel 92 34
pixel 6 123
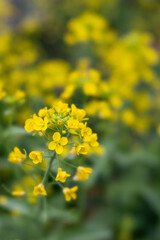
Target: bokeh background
pixel 103 56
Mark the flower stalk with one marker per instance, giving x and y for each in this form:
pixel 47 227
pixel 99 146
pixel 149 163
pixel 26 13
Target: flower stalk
pixel 47 172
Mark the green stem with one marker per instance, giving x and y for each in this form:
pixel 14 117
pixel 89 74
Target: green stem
pixel 47 172
pixel 42 205
pixel 69 164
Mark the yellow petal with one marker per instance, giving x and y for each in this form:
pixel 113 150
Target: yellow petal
pixel 17 151
pixel 74 189
pixel 59 149
pixel 52 145
pixel 68 197
pixel 74 196
pixel 29 125
pixel 88 170
pixel 63 141
pixel 56 136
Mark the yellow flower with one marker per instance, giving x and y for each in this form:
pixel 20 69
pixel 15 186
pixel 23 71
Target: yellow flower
pixel 73 123
pixel 36 156
pixel 90 89
pixel 43 112
pixel 86 131
pixel 39 190
pixel 92 140
pixel 68 91
pixel 83 148
pixel 82 173
pixel 29 125
pixel 36 124
pixel 88 26
pixel 61 107
pixel 19 94
pixel 128 117
pixel 16 156
pixel 70 193
pixel 116 101
pixel 62 175
pixel 78 113
pixel 39 124
pixel 58 143
pixel 19 193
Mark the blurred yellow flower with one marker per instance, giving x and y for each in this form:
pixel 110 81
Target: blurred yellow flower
pixel 128 117
pixel 85 131
pixel 36 156
pixel 70 193
pixel 82 173
pixel 19 193
pixel 90 89
pixel 43 112
pixel 83 148
pixel 16 156
pixel 62 175
pixel 77 113
pixel 39 190
pixel 88 26
pixel 92 139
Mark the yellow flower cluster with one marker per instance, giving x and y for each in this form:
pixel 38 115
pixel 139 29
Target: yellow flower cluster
pixel 64 127
pixel 88 26
pixel 64 123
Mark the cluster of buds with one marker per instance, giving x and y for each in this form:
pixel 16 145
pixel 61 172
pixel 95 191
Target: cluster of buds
pixel 65 129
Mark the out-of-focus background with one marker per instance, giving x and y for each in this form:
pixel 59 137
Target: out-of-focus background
pixel 103 56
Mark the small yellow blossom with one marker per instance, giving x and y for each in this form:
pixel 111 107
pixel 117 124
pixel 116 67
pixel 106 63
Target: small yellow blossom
pixel 62 175
pixel 19 193
pixel 16 156
pixel 36 156
pixel 36 124
pixel 19 94
pixel 43 112
pixel 61 107
pixel 86 131
pixel 92 140
pixel 70 193
pixel 68 91
pixel 82 148
pixel 90 89
pixel 39 124
pixel 39 190
pixel 29 125
pixel 128 117
pixel 73 123
pixel 58 143
pixel 78 113
pixel 82 173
